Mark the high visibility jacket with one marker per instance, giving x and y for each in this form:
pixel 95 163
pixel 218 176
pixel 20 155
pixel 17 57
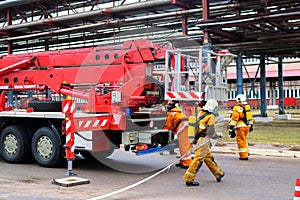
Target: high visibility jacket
pixel 174 118
pixel 241 116
pixel 207 125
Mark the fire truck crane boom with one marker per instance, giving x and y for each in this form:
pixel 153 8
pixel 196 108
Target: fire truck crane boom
pixel 114 90
pixel 20 65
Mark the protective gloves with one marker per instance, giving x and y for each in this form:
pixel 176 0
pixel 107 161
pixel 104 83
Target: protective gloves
pixel 195 140
pixel 232 132
pixel 251 128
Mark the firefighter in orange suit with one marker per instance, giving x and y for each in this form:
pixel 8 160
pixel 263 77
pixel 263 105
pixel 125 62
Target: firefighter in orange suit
pixel 207 127
pixel 240 124
pixel 177 122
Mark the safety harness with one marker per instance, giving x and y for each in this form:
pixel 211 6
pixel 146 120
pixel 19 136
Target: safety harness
pixel 244 119
pixel 199 134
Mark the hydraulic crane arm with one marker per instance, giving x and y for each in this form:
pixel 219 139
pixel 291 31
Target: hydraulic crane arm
pixel 91 74
pixel 16 66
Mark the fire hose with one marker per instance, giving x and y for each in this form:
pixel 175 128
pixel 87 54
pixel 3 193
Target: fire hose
pixel 192 149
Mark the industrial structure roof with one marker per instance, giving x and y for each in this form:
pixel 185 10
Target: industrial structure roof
pixel 252 27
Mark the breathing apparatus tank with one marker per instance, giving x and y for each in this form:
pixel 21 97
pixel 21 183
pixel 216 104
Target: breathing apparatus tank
pixel 191 127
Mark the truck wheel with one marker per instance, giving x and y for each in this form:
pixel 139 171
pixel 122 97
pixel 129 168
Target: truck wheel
pixel 46 147
pixel 45 106
pixel 15 144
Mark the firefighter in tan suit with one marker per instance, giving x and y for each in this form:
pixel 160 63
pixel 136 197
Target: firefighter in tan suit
pixel 177 122
pixel 240 124
pixel 207 127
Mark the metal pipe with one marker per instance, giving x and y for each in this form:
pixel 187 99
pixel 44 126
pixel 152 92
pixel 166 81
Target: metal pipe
pixel 13 3
pixel 113 22
pixel 132 8
pixel 247 20
pixel 72 93
pixel 94 13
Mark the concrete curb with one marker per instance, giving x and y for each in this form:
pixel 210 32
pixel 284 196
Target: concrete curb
pixel 260 152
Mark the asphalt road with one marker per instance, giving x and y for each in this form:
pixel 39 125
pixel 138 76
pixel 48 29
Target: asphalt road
pixel 268 178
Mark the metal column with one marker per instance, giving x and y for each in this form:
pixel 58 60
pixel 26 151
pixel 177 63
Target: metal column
pixel 239 75
pixel 205 15
pixel 263 108
pixel 184 26
pixel 280 86
pixel 206 55
pixel 206 39
pixel 9 22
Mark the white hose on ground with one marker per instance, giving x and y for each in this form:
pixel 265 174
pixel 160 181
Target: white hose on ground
pixel 199 144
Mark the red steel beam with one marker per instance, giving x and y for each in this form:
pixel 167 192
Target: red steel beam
pixel 205 14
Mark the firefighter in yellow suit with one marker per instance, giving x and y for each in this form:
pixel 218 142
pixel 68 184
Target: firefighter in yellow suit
pixel 177 122
pixel 207 127
pixel 240 125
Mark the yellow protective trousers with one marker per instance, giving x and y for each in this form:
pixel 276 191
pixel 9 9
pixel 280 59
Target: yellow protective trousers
pixel 202 154
pixel 184 144
pixel 241 140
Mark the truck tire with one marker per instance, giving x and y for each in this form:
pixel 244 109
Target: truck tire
pixel 45 106
pixel 15 144
pixel 46 148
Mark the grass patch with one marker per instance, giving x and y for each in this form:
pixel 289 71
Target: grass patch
pixel 279 132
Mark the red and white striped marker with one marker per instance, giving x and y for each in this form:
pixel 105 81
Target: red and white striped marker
pixel 297 190
pixel 183 95
pixel 68 108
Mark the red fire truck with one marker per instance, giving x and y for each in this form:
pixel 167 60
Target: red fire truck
pixel 56 103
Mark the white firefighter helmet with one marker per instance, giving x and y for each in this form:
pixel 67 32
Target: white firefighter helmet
pixel 211 105
pixel 240 98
